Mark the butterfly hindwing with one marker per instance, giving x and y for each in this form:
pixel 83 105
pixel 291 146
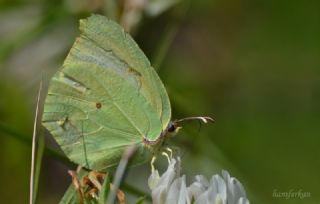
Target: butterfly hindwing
pixel 105 97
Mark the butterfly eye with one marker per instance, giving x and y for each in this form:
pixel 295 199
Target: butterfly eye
pixel 171 127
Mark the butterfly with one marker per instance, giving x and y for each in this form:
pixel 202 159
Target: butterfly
pixel 106 97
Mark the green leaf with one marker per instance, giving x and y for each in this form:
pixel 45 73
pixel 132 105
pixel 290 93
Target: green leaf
pixel 103 196
pixel 40 152
pixel 141 200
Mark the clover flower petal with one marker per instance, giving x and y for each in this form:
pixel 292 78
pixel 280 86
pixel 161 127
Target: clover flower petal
pixel 171 188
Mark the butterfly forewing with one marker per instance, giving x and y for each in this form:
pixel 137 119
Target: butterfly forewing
pixel 124 47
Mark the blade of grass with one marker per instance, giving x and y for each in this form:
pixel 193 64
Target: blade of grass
pixel 104 190
pixel 12 132
pixel 164 45
pixel 141 200
pixel 169 35
pixel 33 152
pixel 40 152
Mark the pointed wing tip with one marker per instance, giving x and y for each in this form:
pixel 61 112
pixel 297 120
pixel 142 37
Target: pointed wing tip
pixel 91 18
pixel 97 20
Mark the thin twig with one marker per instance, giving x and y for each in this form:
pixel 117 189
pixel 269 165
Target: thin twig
pixel 129 152
pixel 34 147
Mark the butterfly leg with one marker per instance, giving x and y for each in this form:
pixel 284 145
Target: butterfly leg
pixel 164 153
pixel 170 152
pixel 152 163
pixel 168 157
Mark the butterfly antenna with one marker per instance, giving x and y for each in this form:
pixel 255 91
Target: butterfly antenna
pixel 204 119
pixel 84 147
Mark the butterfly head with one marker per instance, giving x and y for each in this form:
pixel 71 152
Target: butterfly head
pixel 171 130
pixel 174 126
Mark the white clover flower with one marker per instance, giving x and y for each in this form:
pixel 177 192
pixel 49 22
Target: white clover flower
pixel 171 188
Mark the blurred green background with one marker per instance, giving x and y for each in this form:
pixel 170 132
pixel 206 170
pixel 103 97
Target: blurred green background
pixel 252 65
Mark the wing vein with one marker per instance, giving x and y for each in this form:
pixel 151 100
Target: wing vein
pixel 118 107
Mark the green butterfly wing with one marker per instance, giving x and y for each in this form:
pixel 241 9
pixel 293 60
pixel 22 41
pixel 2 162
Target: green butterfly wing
pixel 105 97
